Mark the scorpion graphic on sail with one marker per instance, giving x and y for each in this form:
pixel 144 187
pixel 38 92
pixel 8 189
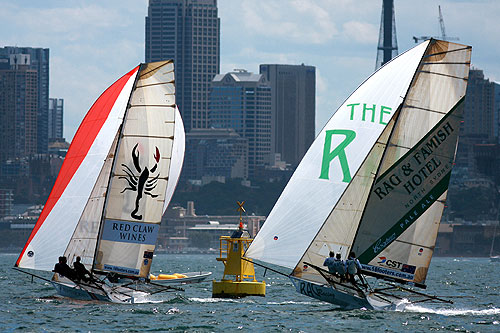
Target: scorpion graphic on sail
pixel 141 184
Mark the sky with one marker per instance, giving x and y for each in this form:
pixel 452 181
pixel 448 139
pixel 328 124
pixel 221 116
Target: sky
pixel 93 43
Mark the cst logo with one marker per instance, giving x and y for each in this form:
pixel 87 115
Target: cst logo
pixel 390 263
pixel 396 265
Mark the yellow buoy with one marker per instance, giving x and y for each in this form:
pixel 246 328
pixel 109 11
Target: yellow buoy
pixel 231 253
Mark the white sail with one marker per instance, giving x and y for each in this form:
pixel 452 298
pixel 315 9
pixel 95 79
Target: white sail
pixel 140 176
pixel 414 175
pixel 384 204
pixel 332 160
pixel 75 182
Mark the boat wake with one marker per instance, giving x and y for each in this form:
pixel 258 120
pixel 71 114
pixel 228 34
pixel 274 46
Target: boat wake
pixel 451 312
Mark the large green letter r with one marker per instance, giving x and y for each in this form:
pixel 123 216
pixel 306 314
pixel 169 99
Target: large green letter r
pixel 328 155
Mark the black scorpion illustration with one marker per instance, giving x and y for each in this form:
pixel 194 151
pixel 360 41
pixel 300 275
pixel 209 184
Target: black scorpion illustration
pixel 142 183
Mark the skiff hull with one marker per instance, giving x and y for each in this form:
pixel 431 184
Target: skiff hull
pixel 344 299
pixel 72 291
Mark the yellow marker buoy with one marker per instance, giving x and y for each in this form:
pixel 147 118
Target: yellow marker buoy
pixel 231 253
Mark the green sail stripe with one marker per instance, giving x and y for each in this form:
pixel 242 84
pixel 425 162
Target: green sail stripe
pixel 406 221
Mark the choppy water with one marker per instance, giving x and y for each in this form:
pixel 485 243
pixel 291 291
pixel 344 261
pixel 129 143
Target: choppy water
pixel 34 306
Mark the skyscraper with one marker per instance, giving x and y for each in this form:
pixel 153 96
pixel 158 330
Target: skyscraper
pixel 481 109
pixel 242 101
pixel 56 110
pixel 387 41
pixel 18 108
pixel 293 112
pixel 187 31
pixel 35 59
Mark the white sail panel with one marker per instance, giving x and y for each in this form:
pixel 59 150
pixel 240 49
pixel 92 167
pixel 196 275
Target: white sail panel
pixel 136 195
pixel 84 240
pixel 77 177
pixel 333 158
pixel 178 150
pixel 336 235
pixel 416 169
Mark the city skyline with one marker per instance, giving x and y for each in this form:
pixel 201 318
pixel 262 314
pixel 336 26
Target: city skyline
pixel 92 44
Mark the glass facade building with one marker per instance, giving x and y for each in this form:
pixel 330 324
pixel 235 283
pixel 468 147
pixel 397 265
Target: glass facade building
pixel 242 101
pixel 187 31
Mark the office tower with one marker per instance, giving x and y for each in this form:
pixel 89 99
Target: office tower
pixel 481 109
pixel 215 152
pixel 18 107
pixel 242 101
pixel 387 41
pixel 187 31
pixel 56 111
pixel 35 59
pixel 293 90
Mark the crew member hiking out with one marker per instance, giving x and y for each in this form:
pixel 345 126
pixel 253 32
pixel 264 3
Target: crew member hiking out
pixel 63 269
pixel 81 272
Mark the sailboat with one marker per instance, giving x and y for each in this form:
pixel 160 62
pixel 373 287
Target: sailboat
pixel 116 181
pixel 374 182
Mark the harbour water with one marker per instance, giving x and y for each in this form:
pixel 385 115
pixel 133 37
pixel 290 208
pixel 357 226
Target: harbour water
pixel 472 283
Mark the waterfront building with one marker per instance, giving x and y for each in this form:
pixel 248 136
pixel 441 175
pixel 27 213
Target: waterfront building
pixel 293 104
pixel 242 101
pixel 187 31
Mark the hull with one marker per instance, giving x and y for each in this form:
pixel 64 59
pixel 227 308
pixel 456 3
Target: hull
pixel 72 291
pixel 345 298
pixel 192 277
pixel 104 292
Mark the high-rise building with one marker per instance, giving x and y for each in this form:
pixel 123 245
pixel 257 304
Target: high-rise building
pixel 387 41
pixel 56 112
pixel 187 31
pixel 34 59
pixel 242 101
pixel 18 108
pixel 215 152
pixel 293 112
pixel 481 109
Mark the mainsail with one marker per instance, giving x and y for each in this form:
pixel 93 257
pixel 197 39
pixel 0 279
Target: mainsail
pixel 117 179
pixel 374 181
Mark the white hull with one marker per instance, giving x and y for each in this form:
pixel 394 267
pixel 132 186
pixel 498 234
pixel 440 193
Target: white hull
pixel 345 298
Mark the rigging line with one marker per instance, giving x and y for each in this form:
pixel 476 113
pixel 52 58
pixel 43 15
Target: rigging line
pixel 423 109
pixel 445 75
pixel 446 63
pixel 147 136
pixel 446 52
